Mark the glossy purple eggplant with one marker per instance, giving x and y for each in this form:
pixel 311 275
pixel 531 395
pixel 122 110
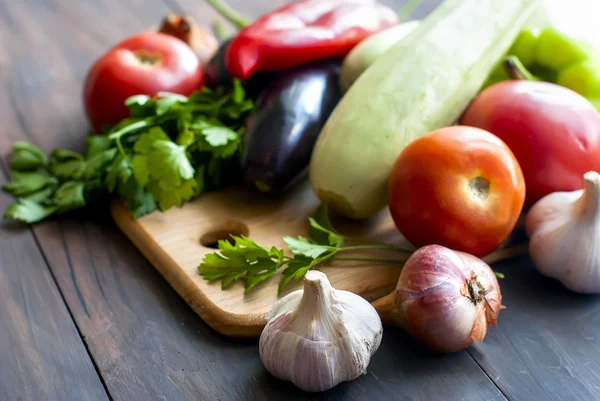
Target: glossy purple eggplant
pixel 217 75
pixel 292 110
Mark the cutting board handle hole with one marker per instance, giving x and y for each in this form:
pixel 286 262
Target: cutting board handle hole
pixel 211 238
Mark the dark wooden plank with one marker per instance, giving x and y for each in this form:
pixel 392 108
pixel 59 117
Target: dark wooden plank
pixel 547 343
pixel 42 355
pixel 146 342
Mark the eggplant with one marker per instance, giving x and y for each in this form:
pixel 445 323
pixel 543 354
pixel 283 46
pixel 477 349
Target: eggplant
pixel 217 75
pixel 291 111
pixel 215 71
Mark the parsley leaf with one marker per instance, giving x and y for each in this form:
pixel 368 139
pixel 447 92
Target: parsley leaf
pixel 167 101
pixel 96 165
pixel 119 170
pixel 139 201
pixel 65 164
pixel 26 156
pixel 169 164
pixel 249 261
pixel 41 196
pixel 69 196
pixel 67 170
pixel 169 150
pixel 172 196
pixel 141 106
pixel 302 246
pixel 62 155
pixel 325 235
pixel 219 136
pixel 244 259
pixel 28 211
pixel 239 94
pixel 137 100
pixel 145 141
pixel 96 144
pixel 142 147
pixel 164 168
pixel 139 164
pixel 321 230
pixel 26 183
pixel 185 137
pixel 295 270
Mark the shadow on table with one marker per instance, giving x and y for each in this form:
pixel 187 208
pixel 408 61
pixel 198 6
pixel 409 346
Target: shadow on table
pixel 400 370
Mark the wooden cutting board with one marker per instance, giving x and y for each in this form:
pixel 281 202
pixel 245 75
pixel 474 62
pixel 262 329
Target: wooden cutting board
pixel 176 241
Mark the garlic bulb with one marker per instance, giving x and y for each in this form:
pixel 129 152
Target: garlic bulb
pixel 564 232
pixel 319 337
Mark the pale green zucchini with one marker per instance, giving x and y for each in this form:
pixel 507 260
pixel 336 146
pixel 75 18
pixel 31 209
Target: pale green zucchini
pixel 366 52
pixel 424 82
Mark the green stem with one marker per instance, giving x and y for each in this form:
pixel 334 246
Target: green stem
pixel 392 261
pixel 206 108
pixel 120 147
pixel 516 70
pixel 407 9
pixel 499 275
pixel 229 13
pixel 373 247
pixel 130 128
pixel 221 31
pixel 390 246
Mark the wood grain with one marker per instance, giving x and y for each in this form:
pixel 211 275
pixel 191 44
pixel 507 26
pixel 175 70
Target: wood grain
pixel 172 241
pixel 547 343
pixel 175 242
pixel 42 356
pixel 147 343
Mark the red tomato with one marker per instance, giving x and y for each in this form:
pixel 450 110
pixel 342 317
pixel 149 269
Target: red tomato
pixel 460 187
pixel 553 132
pixel 146 63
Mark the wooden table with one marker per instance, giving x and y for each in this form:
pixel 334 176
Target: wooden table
pixel 83 316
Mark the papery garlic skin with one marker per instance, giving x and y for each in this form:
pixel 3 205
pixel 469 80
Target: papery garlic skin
pixel 446 299
pixel 319 337
pixel 564 232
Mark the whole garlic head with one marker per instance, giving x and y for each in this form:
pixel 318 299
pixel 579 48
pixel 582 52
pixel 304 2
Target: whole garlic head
pixel 564 232
pixel 319 337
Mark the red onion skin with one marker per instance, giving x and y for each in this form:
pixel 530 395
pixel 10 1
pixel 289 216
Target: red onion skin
pixel 447 299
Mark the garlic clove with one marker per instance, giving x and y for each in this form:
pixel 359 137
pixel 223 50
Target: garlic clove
pixel 564 232
pixel 319 337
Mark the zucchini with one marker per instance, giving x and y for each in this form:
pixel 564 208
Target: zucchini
pixel 366 52
pixel 424 82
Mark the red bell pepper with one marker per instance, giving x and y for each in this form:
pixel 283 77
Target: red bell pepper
pixel 305 31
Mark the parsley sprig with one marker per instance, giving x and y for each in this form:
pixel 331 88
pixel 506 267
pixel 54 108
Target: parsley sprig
pixel 170 149
pixel 246 260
